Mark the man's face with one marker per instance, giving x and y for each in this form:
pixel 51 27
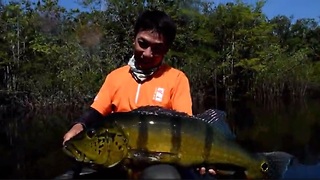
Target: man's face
pixel 149 49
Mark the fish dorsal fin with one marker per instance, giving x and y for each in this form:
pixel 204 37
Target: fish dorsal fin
pixel 212 115
pixel 157 110
pixel 217 119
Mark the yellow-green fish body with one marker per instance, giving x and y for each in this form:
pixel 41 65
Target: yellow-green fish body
pixel 156 135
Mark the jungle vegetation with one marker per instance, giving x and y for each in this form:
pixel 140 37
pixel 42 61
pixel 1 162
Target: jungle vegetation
pixel 55 57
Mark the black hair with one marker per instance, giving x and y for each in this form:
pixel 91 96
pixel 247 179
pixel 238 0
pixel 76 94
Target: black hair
pixel 158 21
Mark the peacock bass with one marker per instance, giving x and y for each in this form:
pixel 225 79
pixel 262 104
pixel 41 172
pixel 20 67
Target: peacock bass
pixel 153 135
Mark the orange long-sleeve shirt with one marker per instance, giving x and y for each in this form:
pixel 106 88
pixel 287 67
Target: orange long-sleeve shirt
pixel 168 88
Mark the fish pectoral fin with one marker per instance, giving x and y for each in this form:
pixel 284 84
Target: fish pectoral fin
pixel 165 156
pixel 225 172
pixel 147 156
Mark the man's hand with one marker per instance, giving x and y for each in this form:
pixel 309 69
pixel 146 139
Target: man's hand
pixel 72 132
pixel 202 171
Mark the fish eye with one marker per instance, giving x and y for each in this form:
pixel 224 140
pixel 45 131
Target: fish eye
pixel 91 133
pixel 264 167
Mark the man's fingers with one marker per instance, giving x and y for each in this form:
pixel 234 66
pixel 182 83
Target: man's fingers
pixel 66 138
pixel 202 170
pixel 213 172
pixel 72 132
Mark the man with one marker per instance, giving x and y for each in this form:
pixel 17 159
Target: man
pixel 146 80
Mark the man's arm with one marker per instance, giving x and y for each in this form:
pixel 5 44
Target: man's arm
pixel 181 96
pixel 101 105
pixel 89 117
pixel 103 100
pixel 99 108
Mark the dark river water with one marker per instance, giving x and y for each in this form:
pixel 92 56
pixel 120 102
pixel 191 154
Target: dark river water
pixel 30 142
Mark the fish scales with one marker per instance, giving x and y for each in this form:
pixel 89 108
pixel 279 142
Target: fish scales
pixel 193 143
pixel 156 135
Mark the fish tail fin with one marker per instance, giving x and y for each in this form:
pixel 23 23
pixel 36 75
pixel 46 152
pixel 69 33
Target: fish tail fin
pixel 279 163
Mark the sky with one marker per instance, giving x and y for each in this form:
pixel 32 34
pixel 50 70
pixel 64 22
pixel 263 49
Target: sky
pixel 296 8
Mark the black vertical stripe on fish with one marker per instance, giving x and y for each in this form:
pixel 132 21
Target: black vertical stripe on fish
pixel 208 142
pixel 143 133
pixel 175 135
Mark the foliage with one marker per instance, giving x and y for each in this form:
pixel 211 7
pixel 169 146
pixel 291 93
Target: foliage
pixel 231 50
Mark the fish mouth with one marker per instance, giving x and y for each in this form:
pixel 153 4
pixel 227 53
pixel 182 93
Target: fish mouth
pixel 72 151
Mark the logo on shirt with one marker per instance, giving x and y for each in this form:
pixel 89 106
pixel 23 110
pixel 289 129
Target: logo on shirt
pixel 158 94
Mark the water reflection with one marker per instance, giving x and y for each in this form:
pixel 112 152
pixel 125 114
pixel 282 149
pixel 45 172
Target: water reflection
pixel 302 171
pixel 31 142
pixel 291 128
